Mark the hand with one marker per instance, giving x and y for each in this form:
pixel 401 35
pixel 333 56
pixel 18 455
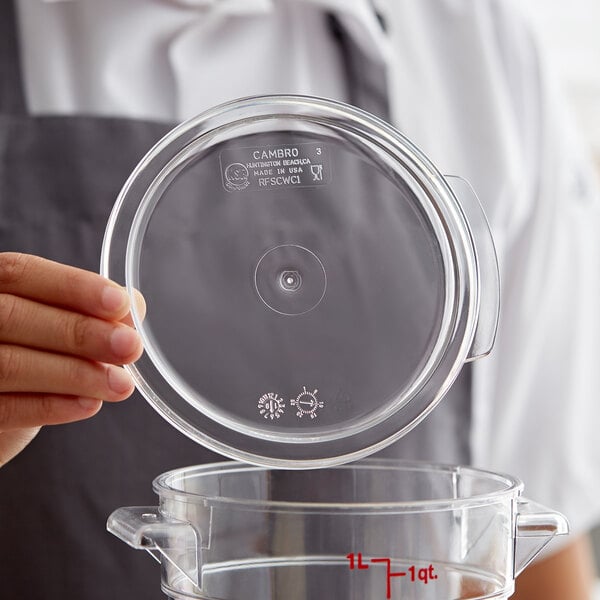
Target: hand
pixel 63 333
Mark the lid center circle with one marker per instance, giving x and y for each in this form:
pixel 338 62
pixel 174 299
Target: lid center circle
pixel 290 279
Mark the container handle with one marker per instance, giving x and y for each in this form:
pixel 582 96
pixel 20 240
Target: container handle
pixel 164 538
pixel 535 526
pixel 487 262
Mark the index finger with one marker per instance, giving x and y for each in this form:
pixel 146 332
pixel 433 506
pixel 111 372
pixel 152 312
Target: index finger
pixel 61 285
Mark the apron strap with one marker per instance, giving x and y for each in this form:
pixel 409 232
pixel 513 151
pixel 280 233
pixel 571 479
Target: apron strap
pixel 12 97
pixel 445 434
pixel 367 79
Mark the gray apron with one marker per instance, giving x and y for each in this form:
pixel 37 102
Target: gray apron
pixel 59 177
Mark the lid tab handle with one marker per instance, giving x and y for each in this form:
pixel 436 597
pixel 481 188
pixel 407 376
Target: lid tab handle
pixel 487 262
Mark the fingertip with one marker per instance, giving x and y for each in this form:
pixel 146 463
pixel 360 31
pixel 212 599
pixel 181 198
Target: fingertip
pixel 115 300
pixel 126 344
pixel 90 405
pixel 120 382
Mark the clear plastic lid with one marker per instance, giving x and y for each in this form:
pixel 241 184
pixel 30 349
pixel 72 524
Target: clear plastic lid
pixel 313 284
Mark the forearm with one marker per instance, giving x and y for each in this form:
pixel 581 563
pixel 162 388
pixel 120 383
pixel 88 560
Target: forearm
pixel 566 575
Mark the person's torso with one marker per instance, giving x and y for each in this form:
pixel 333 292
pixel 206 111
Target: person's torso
pixel 59 176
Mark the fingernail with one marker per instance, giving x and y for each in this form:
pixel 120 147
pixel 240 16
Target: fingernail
pixel 89 403
pixel 124 341
pixel 119 380
pixel 114 298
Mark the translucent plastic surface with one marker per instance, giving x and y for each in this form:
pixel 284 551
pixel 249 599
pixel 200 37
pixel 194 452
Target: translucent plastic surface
pixel 311 280
pixel 376 529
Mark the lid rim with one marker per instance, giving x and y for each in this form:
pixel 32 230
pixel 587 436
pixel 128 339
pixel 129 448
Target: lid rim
pixel 440 195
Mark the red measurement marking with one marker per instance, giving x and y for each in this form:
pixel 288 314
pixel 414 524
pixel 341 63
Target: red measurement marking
pixel 423 575
pixel 389 574
pixel 360 564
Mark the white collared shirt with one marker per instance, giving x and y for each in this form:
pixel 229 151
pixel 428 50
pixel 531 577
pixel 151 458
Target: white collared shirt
pixel 168 60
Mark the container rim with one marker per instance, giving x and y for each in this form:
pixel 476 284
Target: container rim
pixel 509 486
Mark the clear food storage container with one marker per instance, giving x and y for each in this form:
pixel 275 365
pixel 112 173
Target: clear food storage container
pixel 376 529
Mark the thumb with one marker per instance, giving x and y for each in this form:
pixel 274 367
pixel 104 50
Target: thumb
pixel 140 305
pixel 12 442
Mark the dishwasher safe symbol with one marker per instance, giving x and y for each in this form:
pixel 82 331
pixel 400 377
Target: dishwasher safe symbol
pixel 307 404
pixel 317 172
pixel 271 406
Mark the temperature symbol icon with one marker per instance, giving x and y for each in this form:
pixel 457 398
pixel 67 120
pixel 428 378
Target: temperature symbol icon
pixel 307 404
